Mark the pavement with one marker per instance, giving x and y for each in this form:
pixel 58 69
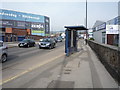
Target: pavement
pixel 82 69
pixel 11 44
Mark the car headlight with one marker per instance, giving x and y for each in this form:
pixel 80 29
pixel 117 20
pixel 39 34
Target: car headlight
pixel 39 43
pixel 25 43
pixel 47 44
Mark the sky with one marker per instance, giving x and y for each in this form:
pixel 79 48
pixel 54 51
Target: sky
pixel 66 13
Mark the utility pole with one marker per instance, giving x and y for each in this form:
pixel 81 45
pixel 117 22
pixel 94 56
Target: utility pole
pixel 119 39
pixel 86 13
pixel 86 21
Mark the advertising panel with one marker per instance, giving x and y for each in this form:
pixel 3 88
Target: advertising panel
pixel 15 24
pixel 111 29
pixel 38 29
pixel 13 15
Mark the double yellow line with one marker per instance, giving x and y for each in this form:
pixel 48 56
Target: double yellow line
pixel 30 69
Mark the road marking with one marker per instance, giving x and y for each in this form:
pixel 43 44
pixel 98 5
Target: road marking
pixel 30 69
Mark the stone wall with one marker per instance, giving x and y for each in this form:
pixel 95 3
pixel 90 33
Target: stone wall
pixel 109 56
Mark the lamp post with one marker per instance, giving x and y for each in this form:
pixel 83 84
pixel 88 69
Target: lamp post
pixel 86 21
pixel 119 38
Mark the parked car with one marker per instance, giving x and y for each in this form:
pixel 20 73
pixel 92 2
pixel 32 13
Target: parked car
pixel 27 43
pixel 47 43
pixel 3 52
pixel 59 39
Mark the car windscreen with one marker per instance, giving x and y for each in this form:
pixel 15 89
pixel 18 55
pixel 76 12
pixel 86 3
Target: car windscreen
pixel 59 38
pixel 45 40
pixel 25 40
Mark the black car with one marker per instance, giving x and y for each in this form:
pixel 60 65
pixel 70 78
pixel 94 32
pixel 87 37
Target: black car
pixel 47 43
pixel 27 43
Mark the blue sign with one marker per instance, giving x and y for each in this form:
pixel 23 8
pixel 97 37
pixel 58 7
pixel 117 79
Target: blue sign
pixel 19 16
pixel 102 26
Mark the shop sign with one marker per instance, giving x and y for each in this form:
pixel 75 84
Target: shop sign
pixel 100 27
pixel 20 16
pixel 111 29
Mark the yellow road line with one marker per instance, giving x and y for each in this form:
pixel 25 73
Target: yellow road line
pixel 30 69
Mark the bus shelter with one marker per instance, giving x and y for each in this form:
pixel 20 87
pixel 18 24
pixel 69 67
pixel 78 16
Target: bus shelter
pixel 71 38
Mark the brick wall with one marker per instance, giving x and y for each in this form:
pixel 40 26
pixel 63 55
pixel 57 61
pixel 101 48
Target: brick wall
pixel 109 56
pixel 20 32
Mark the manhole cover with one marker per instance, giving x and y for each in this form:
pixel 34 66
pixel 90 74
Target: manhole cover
pixel 61 84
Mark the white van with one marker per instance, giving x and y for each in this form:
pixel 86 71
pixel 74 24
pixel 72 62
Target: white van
pixel 3 52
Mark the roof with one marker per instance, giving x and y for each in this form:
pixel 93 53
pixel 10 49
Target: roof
pixel 76 27
pixel 97 23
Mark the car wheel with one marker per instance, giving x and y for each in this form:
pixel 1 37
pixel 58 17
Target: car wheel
pixel 4 58
pixel 19 45
pixel 34 45
pixel 54 45
pixel 50 47
pixel 39 47
pixel 28 46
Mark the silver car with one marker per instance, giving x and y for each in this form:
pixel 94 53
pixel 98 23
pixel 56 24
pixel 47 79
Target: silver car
pixel 3 52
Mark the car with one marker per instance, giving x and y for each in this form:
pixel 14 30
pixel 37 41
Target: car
pixel 27 43
pixel 3 52
pixel 59 39
pixel 47 43
pixel 55 38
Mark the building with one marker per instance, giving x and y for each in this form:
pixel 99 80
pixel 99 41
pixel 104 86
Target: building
pixel 107 32
pixel 90 33
pixel 99 32
pixel 112 31
pixel 16 26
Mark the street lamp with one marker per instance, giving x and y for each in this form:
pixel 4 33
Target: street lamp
pixel 86 21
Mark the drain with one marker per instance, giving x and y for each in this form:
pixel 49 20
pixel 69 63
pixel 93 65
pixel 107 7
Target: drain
pixel 78 64
pixel 66 72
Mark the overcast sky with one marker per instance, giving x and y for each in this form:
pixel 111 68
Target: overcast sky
pixel 67 13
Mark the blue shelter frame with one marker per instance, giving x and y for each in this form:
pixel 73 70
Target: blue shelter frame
pixel 71 38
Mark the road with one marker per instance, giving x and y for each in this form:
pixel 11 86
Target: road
pixel 22 67
pixel 44 68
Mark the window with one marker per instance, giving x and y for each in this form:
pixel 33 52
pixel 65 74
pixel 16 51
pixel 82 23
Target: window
pixel 103 37
pixel 1 44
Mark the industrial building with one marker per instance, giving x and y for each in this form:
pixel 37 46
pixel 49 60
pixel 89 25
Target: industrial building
pixel 107 32
pixel 16 26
